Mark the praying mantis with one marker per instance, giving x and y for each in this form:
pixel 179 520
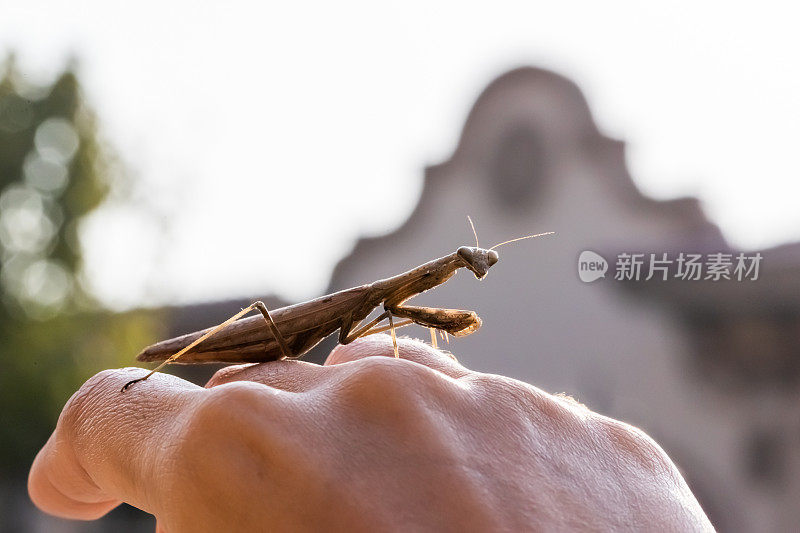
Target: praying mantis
pixel 292 331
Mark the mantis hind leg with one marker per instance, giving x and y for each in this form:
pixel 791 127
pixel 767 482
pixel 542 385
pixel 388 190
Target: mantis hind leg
pixel 255 305
pixel 287 353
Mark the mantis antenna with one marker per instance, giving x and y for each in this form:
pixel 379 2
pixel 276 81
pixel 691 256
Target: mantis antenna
pixel 523 238
pixel 474 232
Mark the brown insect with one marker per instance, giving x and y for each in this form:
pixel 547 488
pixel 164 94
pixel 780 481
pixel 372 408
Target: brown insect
pixel 293 330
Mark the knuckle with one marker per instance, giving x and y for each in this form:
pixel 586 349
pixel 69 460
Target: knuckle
pixel 219 377
pixel 225 374
pixel 226 405
pixel 636 447
pixel 563 415
pixel 383 383
pixel 387 373
pixel 223 418
pixel 515 396
pixel 393 395
pixel 378 369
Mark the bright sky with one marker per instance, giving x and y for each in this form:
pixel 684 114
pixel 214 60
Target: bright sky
pixel 274 135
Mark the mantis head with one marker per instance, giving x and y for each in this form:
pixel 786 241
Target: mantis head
pixel 478 260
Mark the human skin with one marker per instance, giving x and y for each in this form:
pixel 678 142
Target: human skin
pixel 366 442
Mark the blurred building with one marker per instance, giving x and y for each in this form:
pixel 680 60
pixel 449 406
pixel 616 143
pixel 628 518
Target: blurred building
pixel 708 368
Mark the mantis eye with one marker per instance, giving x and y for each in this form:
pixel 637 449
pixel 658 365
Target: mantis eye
pixel 492 257
pixel 465 253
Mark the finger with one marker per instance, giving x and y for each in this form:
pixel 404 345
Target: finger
pixel 410 349
pixel 107 444
pixel 288 375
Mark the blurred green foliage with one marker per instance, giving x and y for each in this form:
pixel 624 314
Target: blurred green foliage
pixel 54 170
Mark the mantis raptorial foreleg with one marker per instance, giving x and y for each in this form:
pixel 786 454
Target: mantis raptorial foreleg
pixel 454 320
pixel 387 327
pixel 347 335
pixel 370 329
pixel 459 322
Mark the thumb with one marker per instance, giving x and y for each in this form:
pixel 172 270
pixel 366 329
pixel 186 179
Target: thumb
pixel 107 444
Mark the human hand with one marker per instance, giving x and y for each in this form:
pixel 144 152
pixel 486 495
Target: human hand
pixel 366 442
